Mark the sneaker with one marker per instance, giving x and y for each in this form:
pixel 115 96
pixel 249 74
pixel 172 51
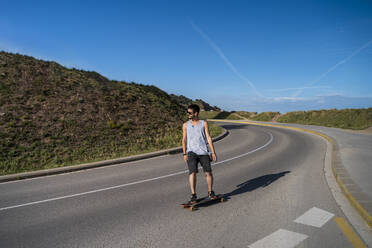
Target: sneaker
pixel 193 198
pixel 212 195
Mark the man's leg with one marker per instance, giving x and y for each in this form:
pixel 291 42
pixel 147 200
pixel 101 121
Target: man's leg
pixel 192 163
pixel 209 177
pixel 206 164
pixel 192 180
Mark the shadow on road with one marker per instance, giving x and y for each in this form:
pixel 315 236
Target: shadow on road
pixel 248 186
pixel 240 126
pixel 255 183
pixel 245 187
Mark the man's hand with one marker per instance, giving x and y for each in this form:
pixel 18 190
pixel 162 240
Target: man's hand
pixel 185 158
pixel 214 157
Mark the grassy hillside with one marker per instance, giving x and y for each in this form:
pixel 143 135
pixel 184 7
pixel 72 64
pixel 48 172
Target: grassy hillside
pixel 184 101
pixel 52 116
pixel 218 115
pixel 245 114
pixel 265 116
pixel 345 118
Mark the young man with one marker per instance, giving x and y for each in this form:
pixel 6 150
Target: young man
pixel 195 149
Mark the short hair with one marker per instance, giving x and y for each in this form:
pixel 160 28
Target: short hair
pixel 195 108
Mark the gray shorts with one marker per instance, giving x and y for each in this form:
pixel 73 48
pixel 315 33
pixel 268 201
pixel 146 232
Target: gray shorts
pixel 193 159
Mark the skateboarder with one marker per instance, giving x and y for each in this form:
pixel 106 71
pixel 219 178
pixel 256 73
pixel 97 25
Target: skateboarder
pixel 195 150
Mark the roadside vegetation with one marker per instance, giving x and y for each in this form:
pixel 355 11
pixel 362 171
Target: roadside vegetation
pixel 184 101
pixel 345 118
pixel 214 130
pixel 356 119
pixel 52 116
pixel 219 115
pixel 265 116
pixel 247 115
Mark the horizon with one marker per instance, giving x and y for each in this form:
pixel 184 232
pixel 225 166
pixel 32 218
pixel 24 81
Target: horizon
pixel 181 94
pixel 290 57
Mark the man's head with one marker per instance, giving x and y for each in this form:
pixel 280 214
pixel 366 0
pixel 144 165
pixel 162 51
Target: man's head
pixel 193 111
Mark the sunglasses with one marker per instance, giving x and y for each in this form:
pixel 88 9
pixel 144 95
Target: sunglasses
pixel 190 113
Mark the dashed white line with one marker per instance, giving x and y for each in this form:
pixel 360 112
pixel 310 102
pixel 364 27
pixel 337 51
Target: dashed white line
pixel 280 239
pixel 245 154
pixel 287 239
pixel 315 217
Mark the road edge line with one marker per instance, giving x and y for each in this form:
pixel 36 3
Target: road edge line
pixel 349 232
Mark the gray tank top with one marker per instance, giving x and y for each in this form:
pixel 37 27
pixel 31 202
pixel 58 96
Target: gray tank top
pixel 196 140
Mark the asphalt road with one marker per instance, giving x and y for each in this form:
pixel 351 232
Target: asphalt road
pixel 273 178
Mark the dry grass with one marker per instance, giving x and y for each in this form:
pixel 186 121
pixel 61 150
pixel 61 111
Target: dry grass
pixel 52 116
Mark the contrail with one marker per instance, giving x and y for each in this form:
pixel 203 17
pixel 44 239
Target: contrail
pixel 333 67
pixel 227 61
pixel 302 88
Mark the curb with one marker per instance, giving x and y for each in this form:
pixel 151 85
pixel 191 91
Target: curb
pixel 352 199
pixel 61 170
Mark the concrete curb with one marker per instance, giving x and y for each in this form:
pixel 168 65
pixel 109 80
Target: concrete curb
pixel 55 171
pixel 338 171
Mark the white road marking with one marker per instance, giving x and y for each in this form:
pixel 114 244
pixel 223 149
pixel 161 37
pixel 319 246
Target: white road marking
pixel 280 239
pixel 283 238
pixel 245 154
pixel 93 191
pixel 133 183
pixel 314 217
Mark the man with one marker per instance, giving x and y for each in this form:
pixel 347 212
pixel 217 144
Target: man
pixel 195 150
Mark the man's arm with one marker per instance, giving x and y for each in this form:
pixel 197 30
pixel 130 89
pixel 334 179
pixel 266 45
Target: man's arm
pixel 184 141
pixel 210 142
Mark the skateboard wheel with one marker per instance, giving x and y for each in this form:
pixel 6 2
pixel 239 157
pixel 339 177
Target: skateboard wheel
pixel 183 206
pixel 192 208
pixel 222 199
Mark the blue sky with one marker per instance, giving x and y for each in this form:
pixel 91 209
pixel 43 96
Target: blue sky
pixel 239 55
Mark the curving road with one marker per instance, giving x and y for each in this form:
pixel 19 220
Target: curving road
pixel 274 179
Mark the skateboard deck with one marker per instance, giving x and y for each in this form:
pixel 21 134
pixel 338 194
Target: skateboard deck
pixel 203 201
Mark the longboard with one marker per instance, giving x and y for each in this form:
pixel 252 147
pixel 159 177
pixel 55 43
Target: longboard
pixel 202 201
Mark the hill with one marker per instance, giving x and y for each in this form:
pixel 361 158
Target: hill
pixel 184 101
pixel 263 116
pixel 224 115
pixel 52 116
pixel 345 118
pixel 356 119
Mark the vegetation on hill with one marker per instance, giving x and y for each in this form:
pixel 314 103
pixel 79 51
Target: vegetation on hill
pixel 52 116
pixel 218 115
pixel 265 116
pixel 238 115
pixel 345 118
pixel 184 101
pixel 245 114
